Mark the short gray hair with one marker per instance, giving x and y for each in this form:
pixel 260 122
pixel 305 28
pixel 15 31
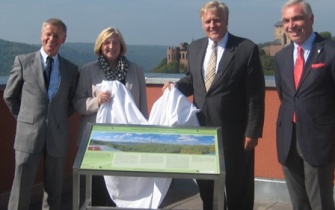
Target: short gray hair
pixel 304 4
pixel 55 22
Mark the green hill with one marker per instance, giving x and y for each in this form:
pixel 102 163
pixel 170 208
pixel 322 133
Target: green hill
pixel 146 56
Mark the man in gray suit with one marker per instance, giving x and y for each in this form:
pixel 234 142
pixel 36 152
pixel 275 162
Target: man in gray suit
pixel 41 109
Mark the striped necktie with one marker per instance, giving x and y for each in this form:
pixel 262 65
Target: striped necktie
pixel 211 68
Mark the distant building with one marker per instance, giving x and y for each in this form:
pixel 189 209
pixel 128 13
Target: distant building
pixel 178 54
pixel 281 40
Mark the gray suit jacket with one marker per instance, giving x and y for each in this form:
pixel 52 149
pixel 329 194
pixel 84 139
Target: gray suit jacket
pixel 86 102
pixel 41 124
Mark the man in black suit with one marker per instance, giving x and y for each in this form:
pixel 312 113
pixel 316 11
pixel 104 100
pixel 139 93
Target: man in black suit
pixel 306 118
pixel 233 101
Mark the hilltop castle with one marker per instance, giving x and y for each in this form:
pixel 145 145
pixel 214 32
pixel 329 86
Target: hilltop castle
pixel 179 53
pixel 281 40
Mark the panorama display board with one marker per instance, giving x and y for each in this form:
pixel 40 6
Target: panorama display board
pixel 149 151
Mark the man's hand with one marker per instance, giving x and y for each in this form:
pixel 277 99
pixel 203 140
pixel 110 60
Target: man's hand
pixel 250 143
pixel 167 85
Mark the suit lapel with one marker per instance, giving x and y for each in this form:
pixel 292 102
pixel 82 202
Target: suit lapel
pixel 36 65
pixel 201 52
pixel 288 67
pixel 227 57
pixel 316 51
pixel 62 73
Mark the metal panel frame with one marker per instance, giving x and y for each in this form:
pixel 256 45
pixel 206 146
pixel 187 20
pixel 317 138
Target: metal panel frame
pixel 219 179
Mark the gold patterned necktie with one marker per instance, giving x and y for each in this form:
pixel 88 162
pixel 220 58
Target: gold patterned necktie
pixel 211 68
pixel 47 71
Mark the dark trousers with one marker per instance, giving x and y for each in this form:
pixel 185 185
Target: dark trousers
pixel 100 195
pixel 239 181
pixel 310 187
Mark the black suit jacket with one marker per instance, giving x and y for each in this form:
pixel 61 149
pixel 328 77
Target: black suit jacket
pixel 235 100
pixel 313 102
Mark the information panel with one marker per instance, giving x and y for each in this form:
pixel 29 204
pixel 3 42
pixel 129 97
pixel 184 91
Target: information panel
pixel 152 149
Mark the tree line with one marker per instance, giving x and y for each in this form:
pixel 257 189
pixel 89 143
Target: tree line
pixel 81 53
pixel 267 61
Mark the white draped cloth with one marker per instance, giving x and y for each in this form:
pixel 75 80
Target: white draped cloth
pixel 171 109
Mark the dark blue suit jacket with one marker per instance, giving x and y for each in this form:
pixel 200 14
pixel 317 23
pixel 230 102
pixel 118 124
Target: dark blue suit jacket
pixel 313 102
pixel 235 100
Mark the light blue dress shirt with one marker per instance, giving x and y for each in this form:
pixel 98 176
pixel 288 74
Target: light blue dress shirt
pixel 55 74
pixel 306 46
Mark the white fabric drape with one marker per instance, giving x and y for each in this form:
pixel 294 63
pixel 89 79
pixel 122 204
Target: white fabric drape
pixel 171 109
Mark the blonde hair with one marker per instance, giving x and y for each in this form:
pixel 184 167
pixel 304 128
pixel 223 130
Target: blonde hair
pixel 215 6
pixel 105 34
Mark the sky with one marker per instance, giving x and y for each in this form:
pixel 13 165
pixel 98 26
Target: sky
pixel 153 138
pixel 148 22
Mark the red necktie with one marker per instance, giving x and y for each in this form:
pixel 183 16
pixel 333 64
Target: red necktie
pixel 298 68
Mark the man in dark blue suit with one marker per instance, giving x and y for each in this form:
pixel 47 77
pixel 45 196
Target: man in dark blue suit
pixel 306 118
pixel 234 101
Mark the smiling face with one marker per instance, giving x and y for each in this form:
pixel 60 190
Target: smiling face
pixel 215 24
pixel 111 48
pixel 297 24
pixel 52 37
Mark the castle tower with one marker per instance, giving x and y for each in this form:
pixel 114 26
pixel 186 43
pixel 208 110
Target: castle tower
pixel 178 54
pixel 279 34
pixel 172 54
pixel 183 47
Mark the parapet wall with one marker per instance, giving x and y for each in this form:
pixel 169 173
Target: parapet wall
pixel 266 164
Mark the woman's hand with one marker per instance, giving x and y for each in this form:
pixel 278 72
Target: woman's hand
pixel 104 97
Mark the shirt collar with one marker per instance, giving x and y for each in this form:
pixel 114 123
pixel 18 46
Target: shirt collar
pixel 45 55
pixel 307 45
pixel 222 43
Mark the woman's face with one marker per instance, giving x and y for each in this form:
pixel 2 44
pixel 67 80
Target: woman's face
pixel 111 48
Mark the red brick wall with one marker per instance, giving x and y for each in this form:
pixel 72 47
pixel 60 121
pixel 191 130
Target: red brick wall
pixel 266 156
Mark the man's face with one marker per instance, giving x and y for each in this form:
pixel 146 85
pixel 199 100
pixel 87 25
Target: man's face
pixel 52 37
pixel 297 25
pixel 215 25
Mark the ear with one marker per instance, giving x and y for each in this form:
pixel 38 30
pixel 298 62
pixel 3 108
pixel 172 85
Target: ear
pixel 312 19
pixel 64 39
